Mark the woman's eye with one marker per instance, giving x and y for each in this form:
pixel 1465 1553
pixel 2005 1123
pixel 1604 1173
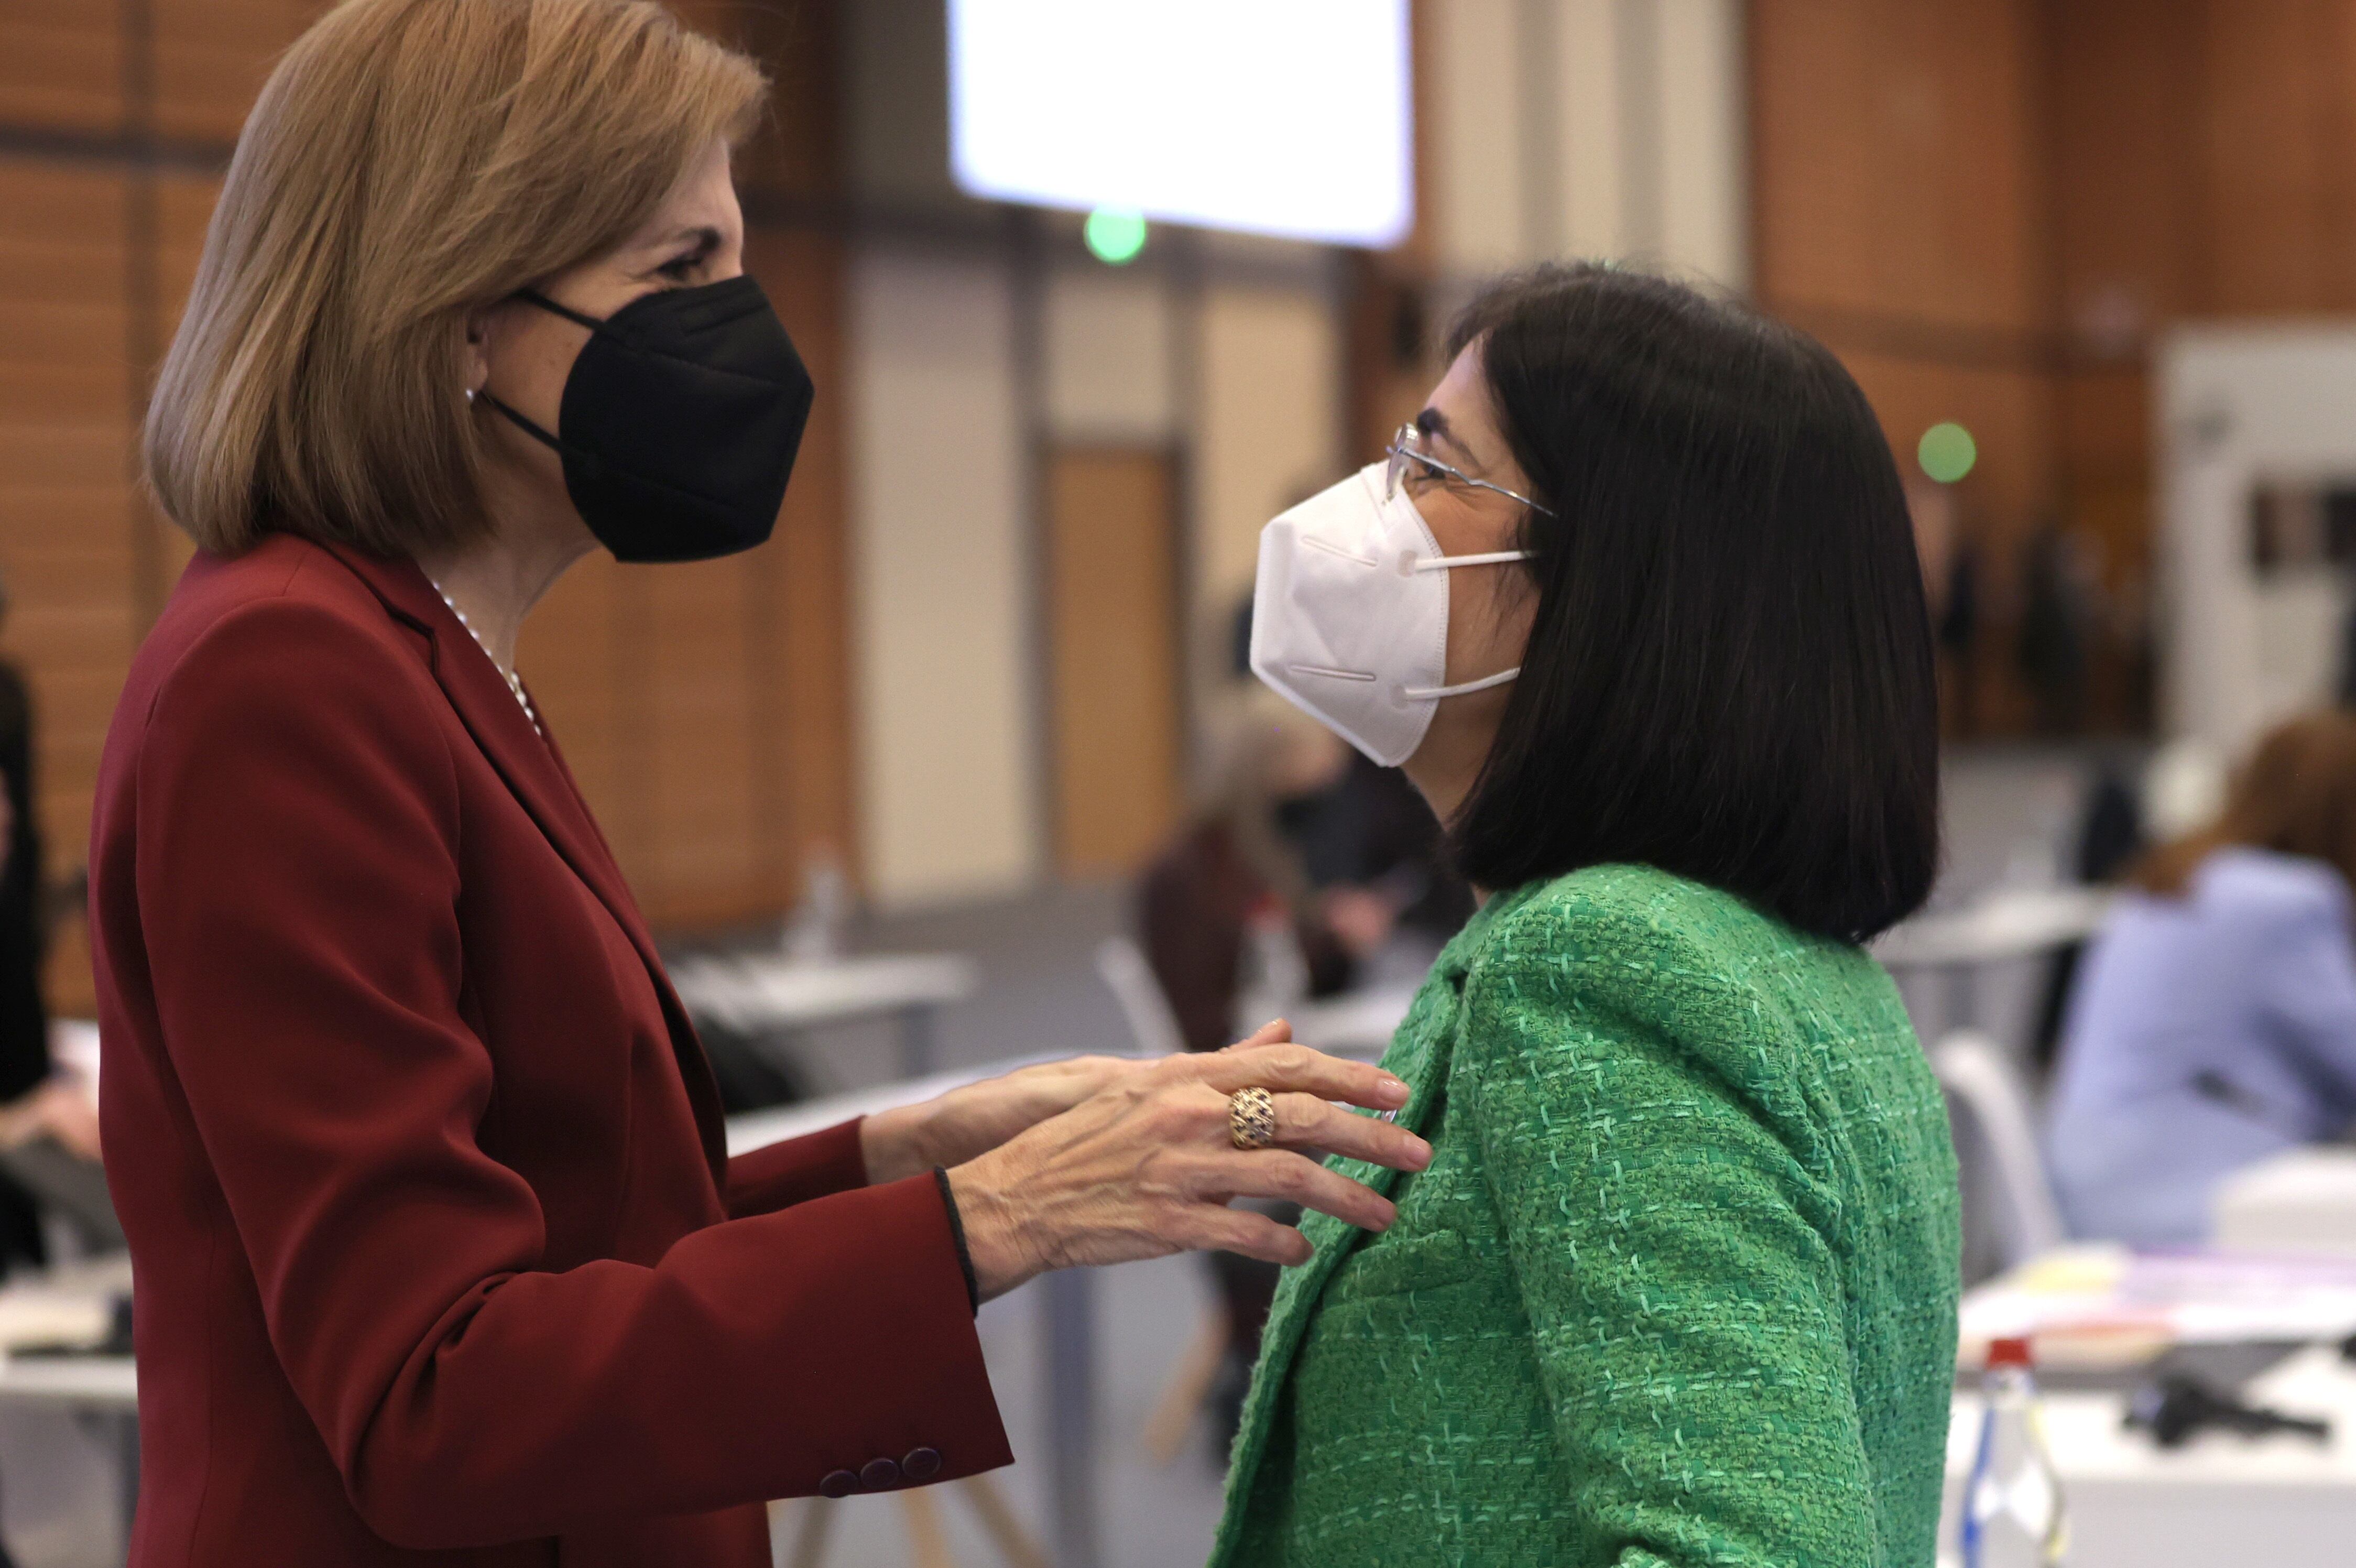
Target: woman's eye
pixel 679 270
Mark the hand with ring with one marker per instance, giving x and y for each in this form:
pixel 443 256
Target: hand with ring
pixel 1147 1167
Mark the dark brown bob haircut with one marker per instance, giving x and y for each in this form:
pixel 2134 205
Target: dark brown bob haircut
pixel 1730 673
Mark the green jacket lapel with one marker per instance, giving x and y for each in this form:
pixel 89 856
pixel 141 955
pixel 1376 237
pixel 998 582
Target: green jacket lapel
pixel 1418 1055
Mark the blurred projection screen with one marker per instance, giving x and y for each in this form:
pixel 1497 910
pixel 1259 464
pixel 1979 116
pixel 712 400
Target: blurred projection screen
pixel 1286 117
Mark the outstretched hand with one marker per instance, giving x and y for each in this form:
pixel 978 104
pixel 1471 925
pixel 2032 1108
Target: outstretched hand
pixel 1144 1167
pixel 974 1119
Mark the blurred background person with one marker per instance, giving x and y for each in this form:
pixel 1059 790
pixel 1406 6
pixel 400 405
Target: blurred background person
pixel 1682 1268
pixel 36 1100
pixel 2214 1020
pixel 1238 867
pixel 1307 859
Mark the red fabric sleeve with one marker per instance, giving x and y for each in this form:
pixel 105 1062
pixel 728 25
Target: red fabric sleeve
pixel 297 805
pixel 764 1180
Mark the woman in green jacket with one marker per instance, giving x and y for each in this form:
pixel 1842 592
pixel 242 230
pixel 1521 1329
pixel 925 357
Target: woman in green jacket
pixel 1635 601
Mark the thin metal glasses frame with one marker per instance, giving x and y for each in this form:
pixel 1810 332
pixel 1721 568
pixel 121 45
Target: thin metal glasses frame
pixel 1403 451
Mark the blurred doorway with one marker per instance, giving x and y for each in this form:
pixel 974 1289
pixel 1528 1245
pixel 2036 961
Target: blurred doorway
pixel 1112 616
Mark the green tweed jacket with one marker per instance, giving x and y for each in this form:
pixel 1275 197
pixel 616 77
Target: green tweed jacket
pixel 1678 1288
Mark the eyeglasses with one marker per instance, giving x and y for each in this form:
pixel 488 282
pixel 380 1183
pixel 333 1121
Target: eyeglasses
pixel 1406 452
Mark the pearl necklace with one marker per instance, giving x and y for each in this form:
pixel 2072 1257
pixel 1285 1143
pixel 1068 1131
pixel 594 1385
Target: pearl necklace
pixel 515 683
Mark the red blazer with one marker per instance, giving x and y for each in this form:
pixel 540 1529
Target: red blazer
pixel 439 1254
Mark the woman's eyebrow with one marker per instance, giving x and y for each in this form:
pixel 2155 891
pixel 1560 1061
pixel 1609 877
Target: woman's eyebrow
pixel 1434 425
pixel 706 239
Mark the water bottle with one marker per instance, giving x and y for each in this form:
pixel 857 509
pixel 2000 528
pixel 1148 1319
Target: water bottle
pixel 813 932
pixel 2012 1504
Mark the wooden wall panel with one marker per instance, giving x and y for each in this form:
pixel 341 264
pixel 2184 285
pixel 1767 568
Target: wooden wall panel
pixel 67 505
pixel 713 854
pixel 211 56
pixel 2279 155
pixel 2129 210
pixel 1113 607
pixel 2041 188
pixel 1898 159
pixel 62 65
pixel 183 207
pixel 2126 154
pixel 799 151
pixel 1902 201
pixel 2206 159
pixel 809 746
pixel 576 662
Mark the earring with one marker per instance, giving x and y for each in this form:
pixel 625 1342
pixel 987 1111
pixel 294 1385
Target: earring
pixel 470 394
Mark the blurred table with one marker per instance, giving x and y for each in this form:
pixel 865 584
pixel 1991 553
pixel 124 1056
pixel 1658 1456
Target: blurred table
pixel 760 994
pixel 2095 1307
pixel 2102 1317
pixel 103 1383
pixel 68 1306
pixel 2302 1199
pixel 759 1129
pixel 1358 1023
pixel 2010 923
pixel 2283 1500
pixel 1066 1311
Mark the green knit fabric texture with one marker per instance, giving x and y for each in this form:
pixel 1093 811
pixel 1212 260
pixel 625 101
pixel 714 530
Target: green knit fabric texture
pixel 1678 1288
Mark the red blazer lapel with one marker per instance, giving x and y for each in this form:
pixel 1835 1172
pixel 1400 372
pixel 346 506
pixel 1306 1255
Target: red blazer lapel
pixel 535 771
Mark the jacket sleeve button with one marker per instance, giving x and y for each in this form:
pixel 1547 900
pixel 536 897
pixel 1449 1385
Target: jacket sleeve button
pixel 877 1475
pixel 921 1464
pixel 839 1484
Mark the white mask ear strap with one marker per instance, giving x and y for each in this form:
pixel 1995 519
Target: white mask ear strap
pixel 1423 693
pixel 1495 558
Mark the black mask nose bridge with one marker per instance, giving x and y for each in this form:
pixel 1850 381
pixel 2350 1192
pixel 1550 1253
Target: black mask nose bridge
pixel 680 421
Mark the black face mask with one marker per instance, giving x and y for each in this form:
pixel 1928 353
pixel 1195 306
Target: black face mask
pixel 680 421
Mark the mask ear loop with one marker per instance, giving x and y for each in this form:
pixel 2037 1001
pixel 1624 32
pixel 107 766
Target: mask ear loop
pixel 533 296
pixel 522 423
pixel 1442 563
pixel 1495 558
pixel 1427 693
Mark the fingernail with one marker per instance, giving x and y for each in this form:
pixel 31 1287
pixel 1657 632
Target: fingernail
pixel 1392 1088
pixel 1419 1152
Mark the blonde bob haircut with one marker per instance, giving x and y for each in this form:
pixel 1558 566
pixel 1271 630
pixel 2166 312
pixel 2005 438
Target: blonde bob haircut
pixel 409 163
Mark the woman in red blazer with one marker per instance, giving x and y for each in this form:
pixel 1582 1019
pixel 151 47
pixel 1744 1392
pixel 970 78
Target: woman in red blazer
pixel 439 1254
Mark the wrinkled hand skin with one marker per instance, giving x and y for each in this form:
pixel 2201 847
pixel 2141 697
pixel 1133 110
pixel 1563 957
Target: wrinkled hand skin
pixel 975 1119
pixel 1144 1167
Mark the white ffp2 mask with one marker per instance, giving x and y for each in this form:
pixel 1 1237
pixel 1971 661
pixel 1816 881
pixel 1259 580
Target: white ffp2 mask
pixel 1350 614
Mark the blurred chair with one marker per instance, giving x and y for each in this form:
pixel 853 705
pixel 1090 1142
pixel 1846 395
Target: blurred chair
pixel 2301 1200
pixel 1153 1022
pixel 1997 1136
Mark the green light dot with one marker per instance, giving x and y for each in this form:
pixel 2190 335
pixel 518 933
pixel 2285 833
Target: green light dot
pixel 1115 235
pixel 1947 452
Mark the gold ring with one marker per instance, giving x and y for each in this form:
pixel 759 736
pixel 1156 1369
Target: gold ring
pixel 1251 1117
